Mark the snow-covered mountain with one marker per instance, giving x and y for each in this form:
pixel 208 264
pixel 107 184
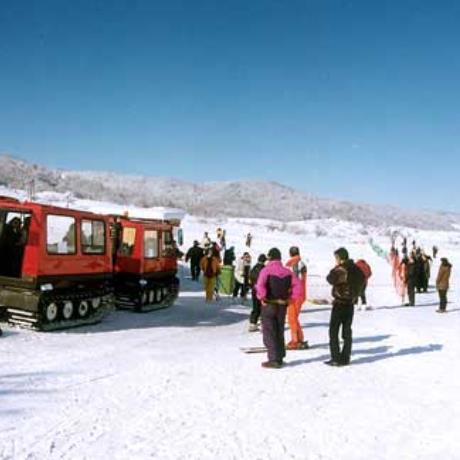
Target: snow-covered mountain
pixel 255 199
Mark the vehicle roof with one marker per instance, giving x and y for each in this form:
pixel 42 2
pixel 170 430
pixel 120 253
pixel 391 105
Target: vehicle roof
pixel 14 204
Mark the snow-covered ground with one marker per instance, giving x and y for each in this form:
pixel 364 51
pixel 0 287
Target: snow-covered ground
pixel 173 384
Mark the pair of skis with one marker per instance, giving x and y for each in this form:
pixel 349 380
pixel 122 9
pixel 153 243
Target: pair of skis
pixel 252 350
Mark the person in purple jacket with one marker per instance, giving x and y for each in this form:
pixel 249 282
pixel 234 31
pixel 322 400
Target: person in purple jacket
pixel 276 286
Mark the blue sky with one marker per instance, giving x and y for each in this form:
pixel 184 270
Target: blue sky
pixel 357 100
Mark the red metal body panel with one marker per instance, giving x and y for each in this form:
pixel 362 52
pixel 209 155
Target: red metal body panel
pixel 38 262
pixel 137 263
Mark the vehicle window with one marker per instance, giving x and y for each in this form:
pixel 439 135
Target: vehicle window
pixel 60 235
pixel 167 240
pixel 150 244
pixel 92 236
pixel 128 241
pixel 14 235
pixel 15 225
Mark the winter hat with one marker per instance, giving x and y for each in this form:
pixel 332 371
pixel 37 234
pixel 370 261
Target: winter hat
pixel 342 254
pixel 274 254
pixel 294 251
pixel 262 259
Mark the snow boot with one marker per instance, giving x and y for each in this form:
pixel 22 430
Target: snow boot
pixel 253 327
pixel 272 364
pixel 332 363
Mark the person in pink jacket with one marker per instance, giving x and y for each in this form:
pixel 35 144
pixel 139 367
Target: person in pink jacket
pixel 276 287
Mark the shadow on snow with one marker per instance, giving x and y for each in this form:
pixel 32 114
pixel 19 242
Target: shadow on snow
pixel 187 312
pixel 376 354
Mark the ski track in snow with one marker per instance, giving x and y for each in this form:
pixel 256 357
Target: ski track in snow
pixel 173 384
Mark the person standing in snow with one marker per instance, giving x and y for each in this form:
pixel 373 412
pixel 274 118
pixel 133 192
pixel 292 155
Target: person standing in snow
pixel 248 240
pixel 206 241
pixel 411 279
pixel 427 261
pixel 229 256
pixel 194 255
pixel 435 252
pixel 242 270
pixel 420 272
pixel 276 287
pixel 210 267
pixel 347 282
pixel 442 283
pixel 222 243
pixel 256 306
pixel 404 247
pixel 367 271
pixel 299 269
pixel 216 253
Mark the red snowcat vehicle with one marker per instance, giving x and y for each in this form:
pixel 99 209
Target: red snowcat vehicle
pixel 145 264
pixel 61 268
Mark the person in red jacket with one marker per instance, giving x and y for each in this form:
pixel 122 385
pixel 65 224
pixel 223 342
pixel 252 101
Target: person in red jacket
pixel 299 269
pixel 367 271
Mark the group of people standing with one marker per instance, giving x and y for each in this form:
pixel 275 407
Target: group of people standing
pixel 267 270
pixel 281 290
pixel 411 274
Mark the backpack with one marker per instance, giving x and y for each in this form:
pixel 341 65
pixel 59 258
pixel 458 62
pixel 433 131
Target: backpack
pixel 356 280
pixel 365 268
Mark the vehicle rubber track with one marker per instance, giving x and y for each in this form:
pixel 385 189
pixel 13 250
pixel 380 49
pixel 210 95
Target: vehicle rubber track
pixel 146 301
pixel 64 311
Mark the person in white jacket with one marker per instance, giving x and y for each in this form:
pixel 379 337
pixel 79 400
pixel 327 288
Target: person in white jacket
pixel 243 267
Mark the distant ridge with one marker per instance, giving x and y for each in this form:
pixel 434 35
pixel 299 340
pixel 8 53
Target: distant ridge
pixel 256 199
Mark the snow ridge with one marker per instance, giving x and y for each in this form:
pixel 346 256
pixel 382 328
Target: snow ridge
pixel 251 199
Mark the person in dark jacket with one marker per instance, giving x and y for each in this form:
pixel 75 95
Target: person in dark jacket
pixel 411 278
pixel 340 277
pixel 229 256
pixel 194 256
pixel 253 278
pixel 442 283
pixel 427 261
pixel 420 272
